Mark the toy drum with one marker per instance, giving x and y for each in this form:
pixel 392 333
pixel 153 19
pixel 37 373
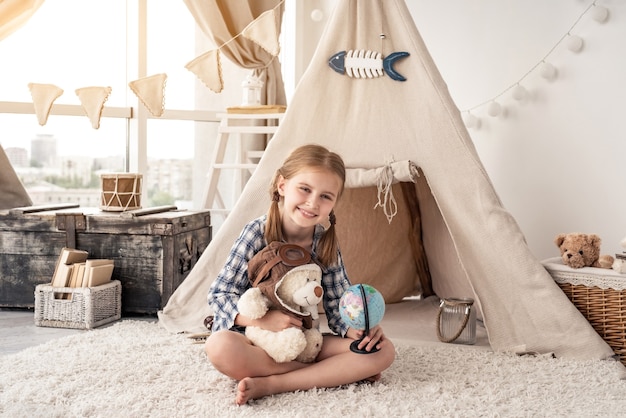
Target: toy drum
pixel 120 192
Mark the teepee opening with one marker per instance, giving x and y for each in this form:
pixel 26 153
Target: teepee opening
pixel 407 253
pixel 388 255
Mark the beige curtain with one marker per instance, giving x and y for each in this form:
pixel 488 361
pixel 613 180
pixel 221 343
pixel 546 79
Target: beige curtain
pixel 223 20
pixel 14 13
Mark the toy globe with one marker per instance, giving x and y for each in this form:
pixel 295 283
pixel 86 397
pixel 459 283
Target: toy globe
pixel 361 307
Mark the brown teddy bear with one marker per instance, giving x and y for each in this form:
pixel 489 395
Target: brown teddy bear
pixel 582 250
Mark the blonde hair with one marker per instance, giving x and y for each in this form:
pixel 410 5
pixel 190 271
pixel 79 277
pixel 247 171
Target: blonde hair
pixel 306 157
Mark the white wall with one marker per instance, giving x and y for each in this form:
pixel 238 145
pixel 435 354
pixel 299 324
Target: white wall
pixel 558 158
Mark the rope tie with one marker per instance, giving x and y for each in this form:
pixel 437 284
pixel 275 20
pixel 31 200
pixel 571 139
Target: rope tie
pixel 386 199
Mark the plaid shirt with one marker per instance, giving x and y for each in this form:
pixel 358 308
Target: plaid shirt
pixel 232 280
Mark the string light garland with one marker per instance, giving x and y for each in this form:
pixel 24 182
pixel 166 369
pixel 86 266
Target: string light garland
pixel 574 43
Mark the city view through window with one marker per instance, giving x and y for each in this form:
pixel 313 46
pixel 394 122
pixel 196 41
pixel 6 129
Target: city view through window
pixel 51 178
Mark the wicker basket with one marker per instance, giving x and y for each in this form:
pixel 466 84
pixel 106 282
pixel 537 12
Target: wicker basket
pixel 600 295
pixel 78 307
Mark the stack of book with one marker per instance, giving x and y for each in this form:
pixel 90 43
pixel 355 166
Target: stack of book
pixel 74 269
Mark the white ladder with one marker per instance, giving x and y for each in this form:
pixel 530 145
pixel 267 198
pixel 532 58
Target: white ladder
pixel 235 126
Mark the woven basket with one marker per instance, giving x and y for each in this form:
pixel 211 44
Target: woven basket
pixel 600 295
pixel 78 307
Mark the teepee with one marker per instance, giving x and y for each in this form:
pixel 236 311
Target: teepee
pixel 420 213
pixel 12 192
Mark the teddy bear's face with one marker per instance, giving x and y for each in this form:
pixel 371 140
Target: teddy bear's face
pixel 301 287
pixel 578 250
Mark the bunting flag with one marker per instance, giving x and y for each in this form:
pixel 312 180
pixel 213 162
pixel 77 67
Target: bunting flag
pixel 208 68
pixel 262 31
pixel 151 92
pixel 92 100
pixel 44 96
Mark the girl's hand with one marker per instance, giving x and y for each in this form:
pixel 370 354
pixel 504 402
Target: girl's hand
pixel 275 320
pixel 373 339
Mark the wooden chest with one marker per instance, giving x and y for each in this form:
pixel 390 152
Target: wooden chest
pixel 153 249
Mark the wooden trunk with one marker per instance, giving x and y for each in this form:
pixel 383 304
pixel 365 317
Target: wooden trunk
pixel 153 249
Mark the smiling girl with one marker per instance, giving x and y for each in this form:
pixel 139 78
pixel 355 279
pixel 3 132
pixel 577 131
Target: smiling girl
pixel 304 192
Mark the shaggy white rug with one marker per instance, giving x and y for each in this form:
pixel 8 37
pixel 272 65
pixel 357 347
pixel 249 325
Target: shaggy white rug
pixel 136 369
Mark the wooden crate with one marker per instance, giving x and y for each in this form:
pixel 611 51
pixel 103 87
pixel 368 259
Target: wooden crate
pixel 153 249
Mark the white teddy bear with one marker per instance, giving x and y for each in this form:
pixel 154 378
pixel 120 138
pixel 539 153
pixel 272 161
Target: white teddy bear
pixel 297 293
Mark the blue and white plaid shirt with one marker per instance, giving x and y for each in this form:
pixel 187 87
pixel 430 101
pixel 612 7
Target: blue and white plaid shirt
pixel 232 280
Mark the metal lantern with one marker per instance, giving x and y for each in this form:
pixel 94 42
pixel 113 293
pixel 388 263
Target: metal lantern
pixel 456 321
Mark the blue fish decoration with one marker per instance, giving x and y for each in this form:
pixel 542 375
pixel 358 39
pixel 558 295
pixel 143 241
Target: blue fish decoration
pixel 362 63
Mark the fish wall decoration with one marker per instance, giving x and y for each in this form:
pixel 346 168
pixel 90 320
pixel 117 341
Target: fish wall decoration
pixel 363 63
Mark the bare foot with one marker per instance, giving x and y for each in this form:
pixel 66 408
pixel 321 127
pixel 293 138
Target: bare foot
pixel 251 388
pixel 248 389
pixel 243 391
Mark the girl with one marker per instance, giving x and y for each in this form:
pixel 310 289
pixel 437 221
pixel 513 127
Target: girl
pixel 304 192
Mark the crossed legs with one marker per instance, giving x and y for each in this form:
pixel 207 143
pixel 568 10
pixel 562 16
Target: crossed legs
pixel 259 375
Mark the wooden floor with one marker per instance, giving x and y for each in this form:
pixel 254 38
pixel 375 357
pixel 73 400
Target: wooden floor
pixel 18 331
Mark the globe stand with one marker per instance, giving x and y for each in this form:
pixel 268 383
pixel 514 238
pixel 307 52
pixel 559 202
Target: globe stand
pixel 354 347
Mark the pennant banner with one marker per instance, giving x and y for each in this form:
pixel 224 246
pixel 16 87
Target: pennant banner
pixel 44 96
pixel 151 92
pixel 208 68
pixel 262 31
pixel 92 99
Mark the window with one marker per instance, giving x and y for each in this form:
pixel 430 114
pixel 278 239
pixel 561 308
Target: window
pixel 74 44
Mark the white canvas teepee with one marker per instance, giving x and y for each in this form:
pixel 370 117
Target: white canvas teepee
pixel 12 192
pixel 472 244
